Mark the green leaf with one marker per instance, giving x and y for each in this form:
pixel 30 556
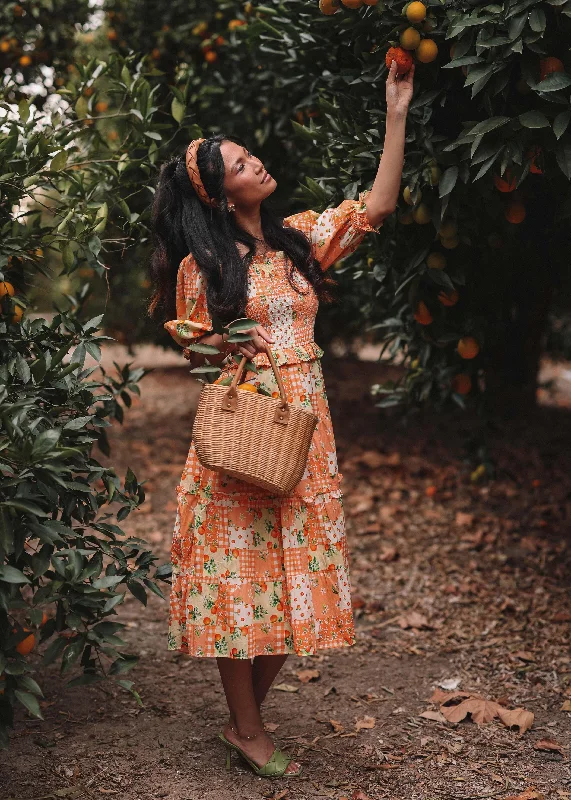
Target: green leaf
pixel 488 125
pixel 26 506
pixel 554 82
pixel 448 181
pixel 81 107
pixel 561 123
pixel 178 110
pixel 59 161
pixel 30 702
pixel 563 155
pixel 24 110
pixel 537 20
pixel 534 119
pixel 10 574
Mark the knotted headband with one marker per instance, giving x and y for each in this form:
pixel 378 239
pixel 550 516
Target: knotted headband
pixel 194 174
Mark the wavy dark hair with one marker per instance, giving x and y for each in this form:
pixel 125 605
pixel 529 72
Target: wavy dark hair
pixel 182 224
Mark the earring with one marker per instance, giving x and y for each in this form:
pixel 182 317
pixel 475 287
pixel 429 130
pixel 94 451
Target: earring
pixel 231 207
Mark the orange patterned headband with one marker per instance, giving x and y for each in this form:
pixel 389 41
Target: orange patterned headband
pixel 194 174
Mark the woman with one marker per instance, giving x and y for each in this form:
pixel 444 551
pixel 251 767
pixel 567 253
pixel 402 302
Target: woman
pixel 257 576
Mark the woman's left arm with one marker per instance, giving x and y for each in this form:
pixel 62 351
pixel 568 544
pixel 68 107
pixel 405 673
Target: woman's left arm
pixel 384 194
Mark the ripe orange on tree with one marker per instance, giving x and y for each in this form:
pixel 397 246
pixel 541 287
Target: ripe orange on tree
pixel 6 288
pixel 409 39
pixel 26 645
pixel 436 261
pixel 25 61
pixel 549 65
pixel 427 51
pixel 17 314
pixel 329 7
pixel 533 154
pixel 506 184
pixel 210 56
pixel 402 57
pixel 448 229
pixel 462 383
pixel 352 3
pixel 4 46
pixel 421 214
pixel 422 314
pixel 450 242
pixel 371 2
pixel 111 34
pixel 415 12
pixel 515 212
pixel 468 347
pixel 448 298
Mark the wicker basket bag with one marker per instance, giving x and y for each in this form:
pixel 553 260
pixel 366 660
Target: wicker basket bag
pixel 259 439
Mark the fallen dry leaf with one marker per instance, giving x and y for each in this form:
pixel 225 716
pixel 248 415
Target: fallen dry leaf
pixel 480 710
pixel 435 716
pixel 271 726
pixel 413 620
pixel 566 705
pixel 524 655
pixel 336 725
pixel 366 722
pixel 286 687
pixel 359 795
pixel 389 554
pixel 438 696
pixel 464 519
pixel 562 616
pixel 517 717
pixel 548 745
pixel 306 675
pixel 528 794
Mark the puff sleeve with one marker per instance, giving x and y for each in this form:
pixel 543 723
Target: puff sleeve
pixel 193 319
pixel 336 232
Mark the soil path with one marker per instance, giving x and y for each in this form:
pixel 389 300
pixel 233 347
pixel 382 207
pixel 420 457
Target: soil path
pixel 456 585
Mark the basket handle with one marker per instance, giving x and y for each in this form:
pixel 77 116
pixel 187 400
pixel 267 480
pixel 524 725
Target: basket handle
pixel 230 402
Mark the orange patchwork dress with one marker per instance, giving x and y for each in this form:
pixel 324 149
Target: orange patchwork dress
pixel 255 573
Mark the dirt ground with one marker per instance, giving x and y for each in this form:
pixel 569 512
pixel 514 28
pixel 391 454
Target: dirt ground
pixel 458 587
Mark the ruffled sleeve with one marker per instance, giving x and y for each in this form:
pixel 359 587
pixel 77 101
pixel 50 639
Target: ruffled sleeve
pixel 336 232
pixel 193 319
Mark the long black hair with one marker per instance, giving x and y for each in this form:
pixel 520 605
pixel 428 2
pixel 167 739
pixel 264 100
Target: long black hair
pixel 182 224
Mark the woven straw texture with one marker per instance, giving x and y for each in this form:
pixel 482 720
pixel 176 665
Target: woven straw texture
pixel 248 443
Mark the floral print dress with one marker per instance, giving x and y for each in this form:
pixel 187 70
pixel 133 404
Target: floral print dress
pixel 256 573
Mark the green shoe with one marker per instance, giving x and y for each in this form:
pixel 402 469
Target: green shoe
pixel 274 768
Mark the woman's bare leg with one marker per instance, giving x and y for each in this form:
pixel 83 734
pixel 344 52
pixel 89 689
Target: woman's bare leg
pixel 237 680
pixel 264 673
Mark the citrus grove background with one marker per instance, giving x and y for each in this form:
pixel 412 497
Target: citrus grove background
pixel 466 286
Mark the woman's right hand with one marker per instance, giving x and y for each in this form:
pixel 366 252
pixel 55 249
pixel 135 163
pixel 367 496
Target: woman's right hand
pixel 256 344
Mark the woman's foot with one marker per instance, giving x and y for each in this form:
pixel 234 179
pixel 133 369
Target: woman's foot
pixel 259 749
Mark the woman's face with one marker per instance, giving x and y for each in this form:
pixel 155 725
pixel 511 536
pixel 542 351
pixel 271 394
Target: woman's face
pixel 243 176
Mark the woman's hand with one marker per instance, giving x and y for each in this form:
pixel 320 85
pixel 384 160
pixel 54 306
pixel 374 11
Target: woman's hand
pixel 257 343
pixel 399 91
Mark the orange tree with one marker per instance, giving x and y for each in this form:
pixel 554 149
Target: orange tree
pixel 65 562
pixel 461 282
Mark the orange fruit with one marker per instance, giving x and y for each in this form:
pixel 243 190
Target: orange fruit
pixel 532 154
pixel 155 53
pixel 468 347
pixel 4 47
pixel 352 3
pixel 275 394
pixel 220 40
pixel 427 51
pixel 506 184
pixel 436 261
pixel 462 383
pixel 549 65
pixel 416 12
pixel 329 7
pixel 111 34
pixel 6 288
pixel 422 314
pixel 236 23
pixel 101 106
pixel 25 61
pixel 450 242
pixel 44 618
pixel 448 298
pixel 515 212
pixel 448 229
pixel 407 196
pixel 430 491
pixel 402 57
pixel 247 387
pixel 409 39
pixel 17 314
pixel 421 214
pixel 211 56
pixel 371 2
pixel 26 645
